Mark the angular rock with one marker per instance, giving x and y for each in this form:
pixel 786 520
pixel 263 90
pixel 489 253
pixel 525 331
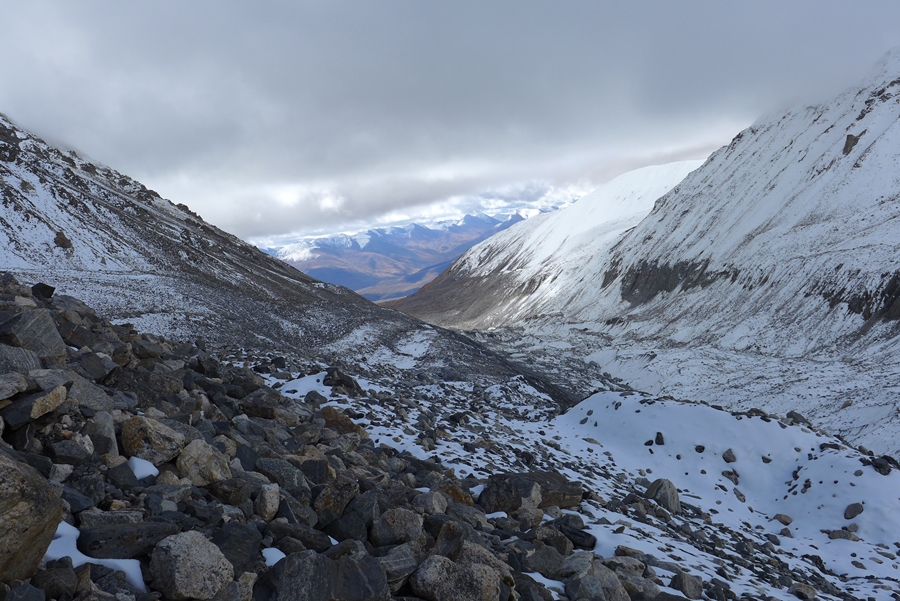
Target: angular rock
pixel 311 538
pixel 149 439
pixel 30 511
pixel 341 423
pixel 690 585
pixel 267 501
pixel 508 492
pixel 35 331
pixel 802 591
pixel 56 582
pixel 22 411
pixel 728 456
pixel 308 576
pixel 286 475
pixel 202 464
pixel 11 384
pixel 399 564
pixel 14 359
pixel 102 432
pixel 187 566
pixel 125 540
pixel 664 492
pixel 396 526
pixel 82 392
pixel 332 501
pixel 240 543
pixel 440 579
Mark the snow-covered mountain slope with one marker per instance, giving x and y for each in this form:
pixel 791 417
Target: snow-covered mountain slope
pixel 105 238
pixel 539 260
pixel 766 501
pixel 768 277
pixel 386 263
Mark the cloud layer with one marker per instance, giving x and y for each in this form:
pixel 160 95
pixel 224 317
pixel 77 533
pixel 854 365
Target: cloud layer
pixel 268 118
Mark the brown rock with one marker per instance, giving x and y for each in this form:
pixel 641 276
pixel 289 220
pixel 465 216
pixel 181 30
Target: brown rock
pixel 30 511
pixel 341 423
pixel 148 439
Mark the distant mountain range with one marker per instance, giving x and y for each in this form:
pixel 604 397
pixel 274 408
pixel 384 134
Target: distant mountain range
pixel 388 263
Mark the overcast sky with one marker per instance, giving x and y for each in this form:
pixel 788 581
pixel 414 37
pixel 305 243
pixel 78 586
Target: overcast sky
pixel 276 117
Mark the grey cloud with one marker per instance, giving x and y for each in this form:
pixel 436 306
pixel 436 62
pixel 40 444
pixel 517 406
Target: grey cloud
pixel 395 105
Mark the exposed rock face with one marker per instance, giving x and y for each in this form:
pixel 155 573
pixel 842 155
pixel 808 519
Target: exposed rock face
pixel 29 511
pixel 187 566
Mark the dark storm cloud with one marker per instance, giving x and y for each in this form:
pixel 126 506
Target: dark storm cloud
pixel 280 116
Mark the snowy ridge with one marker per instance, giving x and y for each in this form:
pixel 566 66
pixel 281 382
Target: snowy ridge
pixel 529 267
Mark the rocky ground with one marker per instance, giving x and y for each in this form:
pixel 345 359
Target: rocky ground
pixel 133 467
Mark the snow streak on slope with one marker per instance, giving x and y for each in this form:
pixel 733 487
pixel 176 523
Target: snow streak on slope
pixel 535 263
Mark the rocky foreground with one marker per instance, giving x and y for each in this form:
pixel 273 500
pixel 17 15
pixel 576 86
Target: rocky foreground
pixel 187 474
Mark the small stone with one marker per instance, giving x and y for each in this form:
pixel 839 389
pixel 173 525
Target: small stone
pixel 853 510
pixel 267 502
pixel 784 519
pixel 728 456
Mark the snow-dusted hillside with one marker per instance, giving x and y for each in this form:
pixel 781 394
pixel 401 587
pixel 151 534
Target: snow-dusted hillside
pixel 770 276
pixel 99 235
pixel 538 261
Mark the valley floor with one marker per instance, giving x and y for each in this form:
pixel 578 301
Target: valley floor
pixel 855 399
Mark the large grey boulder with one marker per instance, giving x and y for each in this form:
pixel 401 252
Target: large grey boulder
pixel 30 511
pixel 187 566
pixel 35 331
pixel 664 492
pixel 440 579
pixel 309 576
